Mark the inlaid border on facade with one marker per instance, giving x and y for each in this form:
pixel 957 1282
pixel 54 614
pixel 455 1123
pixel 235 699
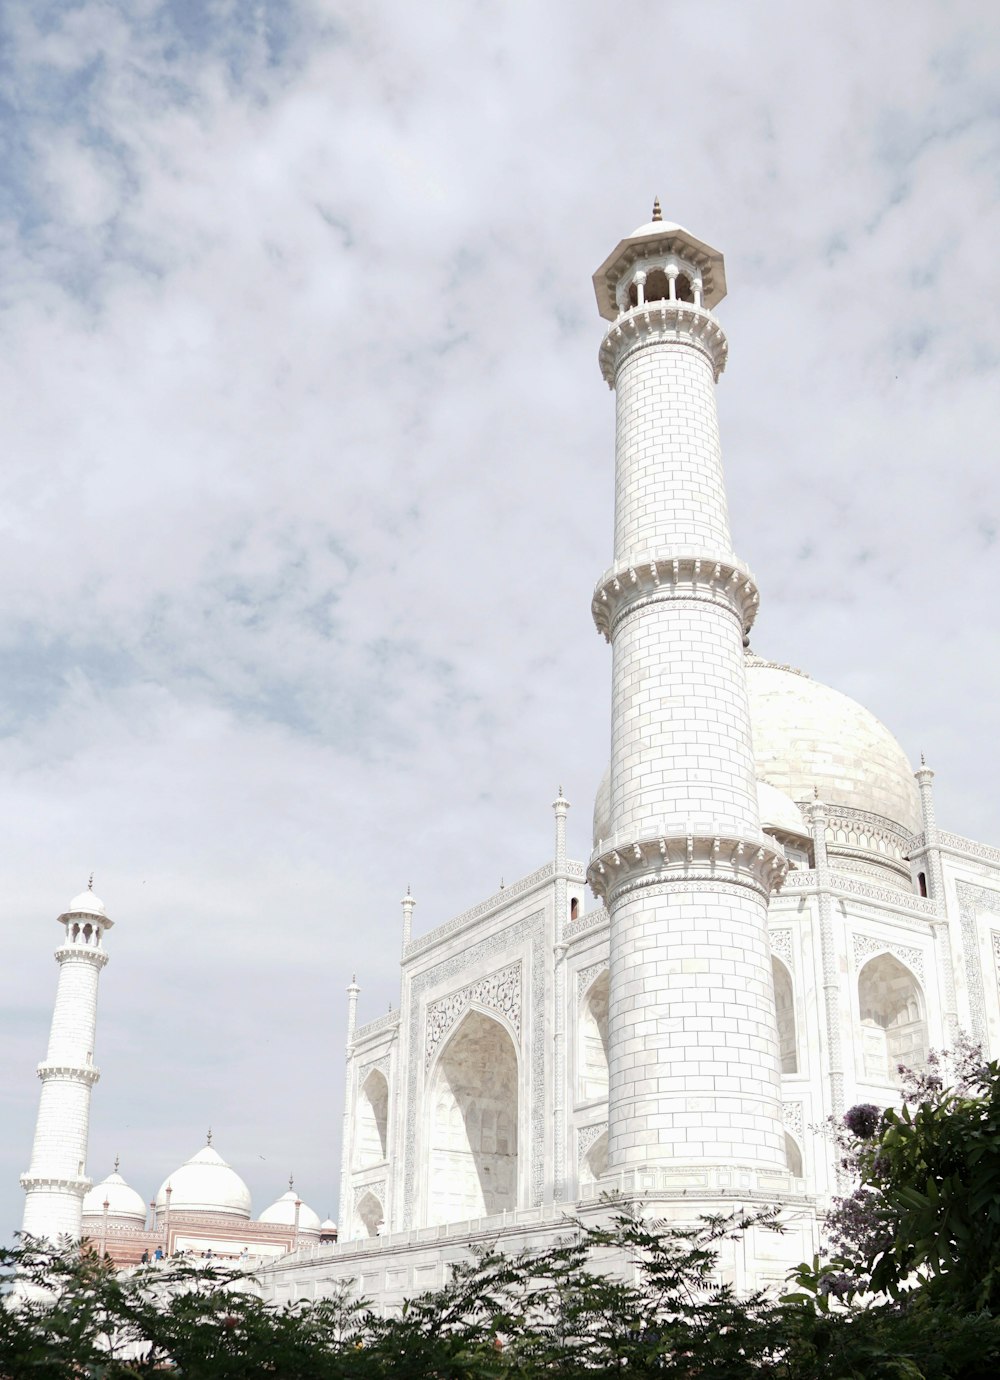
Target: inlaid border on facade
pixel 499 991
pixel 586 1136
pixel 971 900
pixel 866 946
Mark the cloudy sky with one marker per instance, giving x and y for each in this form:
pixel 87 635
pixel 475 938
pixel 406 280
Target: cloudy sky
pixel 307 476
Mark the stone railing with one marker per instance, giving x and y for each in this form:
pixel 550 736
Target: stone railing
pixel 982 852
pixel 373 1027
pixel 498 901
pixel 844 884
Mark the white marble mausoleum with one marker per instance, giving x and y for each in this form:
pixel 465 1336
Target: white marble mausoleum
pixel 770 921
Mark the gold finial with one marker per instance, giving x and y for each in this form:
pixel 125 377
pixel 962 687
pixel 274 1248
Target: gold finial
pixel 657 213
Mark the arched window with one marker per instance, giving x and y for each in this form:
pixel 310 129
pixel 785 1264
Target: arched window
pixel 373 1119
pixel 657 286
pixel 594 1163
pixel 472 1170
pixel 593 1041
pixel 794 1156
pixel 893 1025
pixel 784 1002
pixel 683 288
pixel 370 1216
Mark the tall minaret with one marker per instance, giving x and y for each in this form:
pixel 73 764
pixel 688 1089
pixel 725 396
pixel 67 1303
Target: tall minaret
pixel 57 1179
pixel 694 1098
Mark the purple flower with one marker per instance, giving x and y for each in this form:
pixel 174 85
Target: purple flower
pixel 863 1120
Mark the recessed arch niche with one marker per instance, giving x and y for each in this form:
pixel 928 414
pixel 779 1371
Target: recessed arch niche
pixel 793 1156
pixel 784 1003
pixel 893 1021
pixel 373 1119
pixel 370 1215
pixel 473 1161
pixel 592 1042
pixel 594 1164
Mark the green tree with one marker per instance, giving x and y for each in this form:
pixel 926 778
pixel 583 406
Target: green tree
pixel 924 1222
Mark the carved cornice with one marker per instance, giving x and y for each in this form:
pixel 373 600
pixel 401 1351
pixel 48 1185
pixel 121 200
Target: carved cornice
pixel 81 953
pixel 842 883
pixel 687 857
pixel 497 902
pixel 590 920
pixel 68 1073
pixel 954 843
pixel 674 575
pixel 391 1018
pixel 78 1184
pixel 663 322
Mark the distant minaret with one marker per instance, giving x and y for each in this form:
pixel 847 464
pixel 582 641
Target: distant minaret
pixel 694 1094
pixel 57 1178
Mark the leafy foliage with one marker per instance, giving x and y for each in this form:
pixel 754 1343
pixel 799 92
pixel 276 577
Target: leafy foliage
pixel 925 1219
pixel 637 1297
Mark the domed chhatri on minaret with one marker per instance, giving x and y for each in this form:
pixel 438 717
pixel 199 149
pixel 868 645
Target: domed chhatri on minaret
pixel 56 1180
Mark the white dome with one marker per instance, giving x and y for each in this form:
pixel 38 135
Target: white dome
pixel 123 1201
pixel 87 903
pixel 205 1183
pixel 807 736
pixel 778 812
pixel 657 227
pixel 327 1226
pixel 282 1213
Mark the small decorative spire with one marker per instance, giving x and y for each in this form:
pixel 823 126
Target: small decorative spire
pixel 923 760
pixel 90 882
pixel 501 884
pixel 291 1181
pixel 657 213
pixel 209 1141
pixel 116 1164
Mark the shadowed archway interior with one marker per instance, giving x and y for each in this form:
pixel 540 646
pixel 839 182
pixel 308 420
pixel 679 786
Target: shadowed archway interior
pixel 473 1165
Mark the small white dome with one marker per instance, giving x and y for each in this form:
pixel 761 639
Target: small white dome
pixel 656 227
pixel 205 1183
pixel 87 903
pixel 778 812
pixel 123 1202
pixel 282 1213
pixel 327 1226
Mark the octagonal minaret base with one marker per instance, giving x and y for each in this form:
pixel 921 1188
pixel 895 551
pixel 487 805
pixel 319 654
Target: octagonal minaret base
pixel 56 1180
pixel 694 1073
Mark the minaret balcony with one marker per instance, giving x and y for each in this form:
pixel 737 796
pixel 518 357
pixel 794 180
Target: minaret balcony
pixel 659 322
pixel 675 574
pixel 699 852
pixel 68 1073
